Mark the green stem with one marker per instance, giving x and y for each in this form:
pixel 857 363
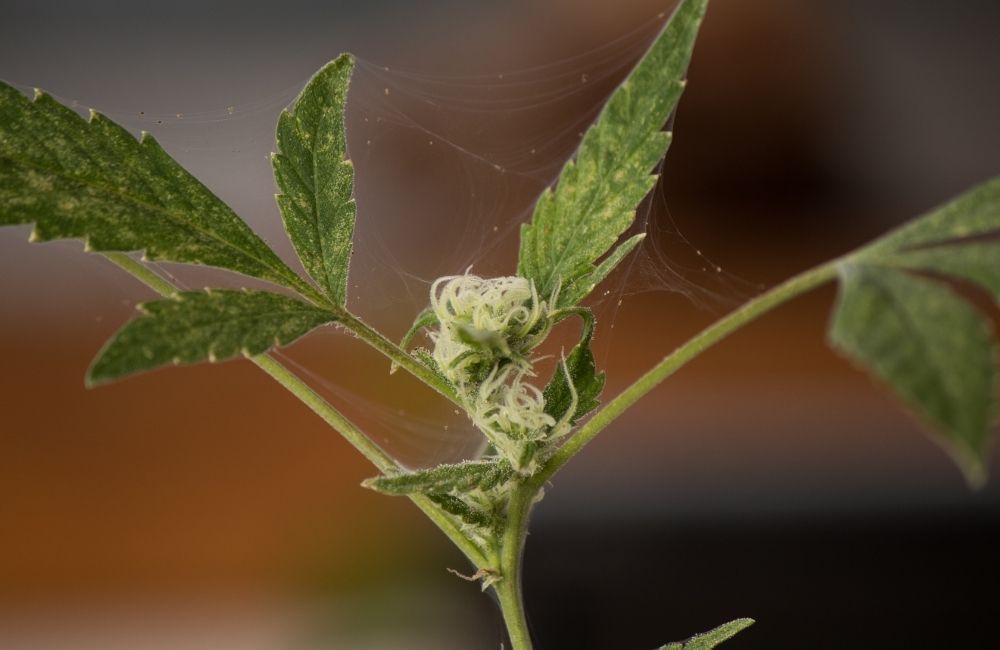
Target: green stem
pixel 789 289
pixel 398 356
pixel 337 420
pixel 508 589
pixel 378 457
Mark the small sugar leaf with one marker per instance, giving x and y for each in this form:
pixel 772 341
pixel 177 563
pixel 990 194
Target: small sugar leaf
pixel 461 477
pixel 713 638
pixel 587 382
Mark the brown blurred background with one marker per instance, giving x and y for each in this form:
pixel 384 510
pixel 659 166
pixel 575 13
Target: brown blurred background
pixel 204 507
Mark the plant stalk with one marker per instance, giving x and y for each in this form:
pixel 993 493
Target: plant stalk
pixel 508 589
pixel 378 457
pixel 708 337
pixel 338 421
pixel 334 418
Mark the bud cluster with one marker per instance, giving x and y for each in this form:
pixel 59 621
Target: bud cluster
pixel 489 328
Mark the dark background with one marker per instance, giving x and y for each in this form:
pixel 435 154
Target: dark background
pixel 202 507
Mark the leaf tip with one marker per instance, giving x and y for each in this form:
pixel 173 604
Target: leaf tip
pixel 973 468
pixel 344 57
pixel 97 374
pixel 90 381
pixel 976 479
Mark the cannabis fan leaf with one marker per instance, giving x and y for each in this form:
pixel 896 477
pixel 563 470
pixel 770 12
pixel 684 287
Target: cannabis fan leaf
pixel 91 180
pixel 976 212
pixel 211 325
pixel 316 178
pixel 926 341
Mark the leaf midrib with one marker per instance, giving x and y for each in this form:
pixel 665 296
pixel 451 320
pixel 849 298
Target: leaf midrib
pixel 319 232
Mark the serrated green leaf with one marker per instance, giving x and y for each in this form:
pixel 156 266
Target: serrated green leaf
pixel 587 382
pixel 976 262
pixel 976 212
pixel 597 193
pixel 930 346
pixel 91 180
pixel 460 477
pixel 711 639
pixel 194 326
pixel 316 178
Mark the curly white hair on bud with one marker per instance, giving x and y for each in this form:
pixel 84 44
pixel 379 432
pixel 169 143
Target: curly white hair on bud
pixel 488 329
pixel 485 320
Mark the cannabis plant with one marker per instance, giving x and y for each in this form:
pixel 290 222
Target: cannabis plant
pixel 476 343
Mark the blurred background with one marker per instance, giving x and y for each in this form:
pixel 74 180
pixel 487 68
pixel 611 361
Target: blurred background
pixel 205 508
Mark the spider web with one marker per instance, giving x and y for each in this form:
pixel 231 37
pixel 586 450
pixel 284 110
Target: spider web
pixel 448 167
